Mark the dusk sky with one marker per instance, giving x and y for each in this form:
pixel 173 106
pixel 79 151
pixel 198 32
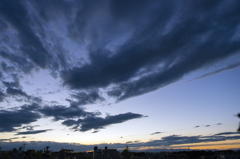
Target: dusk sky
pixel 150 74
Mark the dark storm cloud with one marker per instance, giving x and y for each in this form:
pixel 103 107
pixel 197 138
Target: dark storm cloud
pixel 47 10
pixel 74 115
pixel 61 112
pixel 7 68
pixel 2 96
pixel 15 118
pixel 13 91
pixel 89 97
pixel 132 48
pixel 16 14
pixel 33 50
pixel 14 88
pixel 3 26
pixel 19 92
pixel 156 133
pixel 11 84
pixel 95 122
pixel 20 62
pixel 14 83
pixel 30 107
pixel 32 132
pixel 175 40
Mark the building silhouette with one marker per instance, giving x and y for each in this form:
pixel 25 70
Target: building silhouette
pixel 106 153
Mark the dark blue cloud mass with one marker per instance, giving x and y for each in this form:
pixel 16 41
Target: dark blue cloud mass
pixel 11 119
pixel 175 39
pixel 2 96
pixel 131 48
pixel 94 122
pixel 74 117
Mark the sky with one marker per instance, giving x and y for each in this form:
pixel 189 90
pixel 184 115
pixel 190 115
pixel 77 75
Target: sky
pixel 152 75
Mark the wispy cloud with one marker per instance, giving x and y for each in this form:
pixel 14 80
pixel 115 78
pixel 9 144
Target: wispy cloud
pixel 231 66
pixel 156 133
pixel 32 132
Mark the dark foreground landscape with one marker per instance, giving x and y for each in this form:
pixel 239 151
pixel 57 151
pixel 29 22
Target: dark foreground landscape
pixel 115 154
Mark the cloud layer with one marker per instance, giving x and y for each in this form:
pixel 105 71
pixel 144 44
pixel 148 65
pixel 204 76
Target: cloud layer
pixel 74 117
pixel 11 119
pixel 171 141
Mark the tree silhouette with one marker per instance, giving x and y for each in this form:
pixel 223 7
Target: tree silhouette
pixel 125 153
pixel 16 153
pixel 20 149
pixel 47 147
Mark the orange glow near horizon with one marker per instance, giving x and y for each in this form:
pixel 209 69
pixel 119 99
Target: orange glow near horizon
pixel 223 145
